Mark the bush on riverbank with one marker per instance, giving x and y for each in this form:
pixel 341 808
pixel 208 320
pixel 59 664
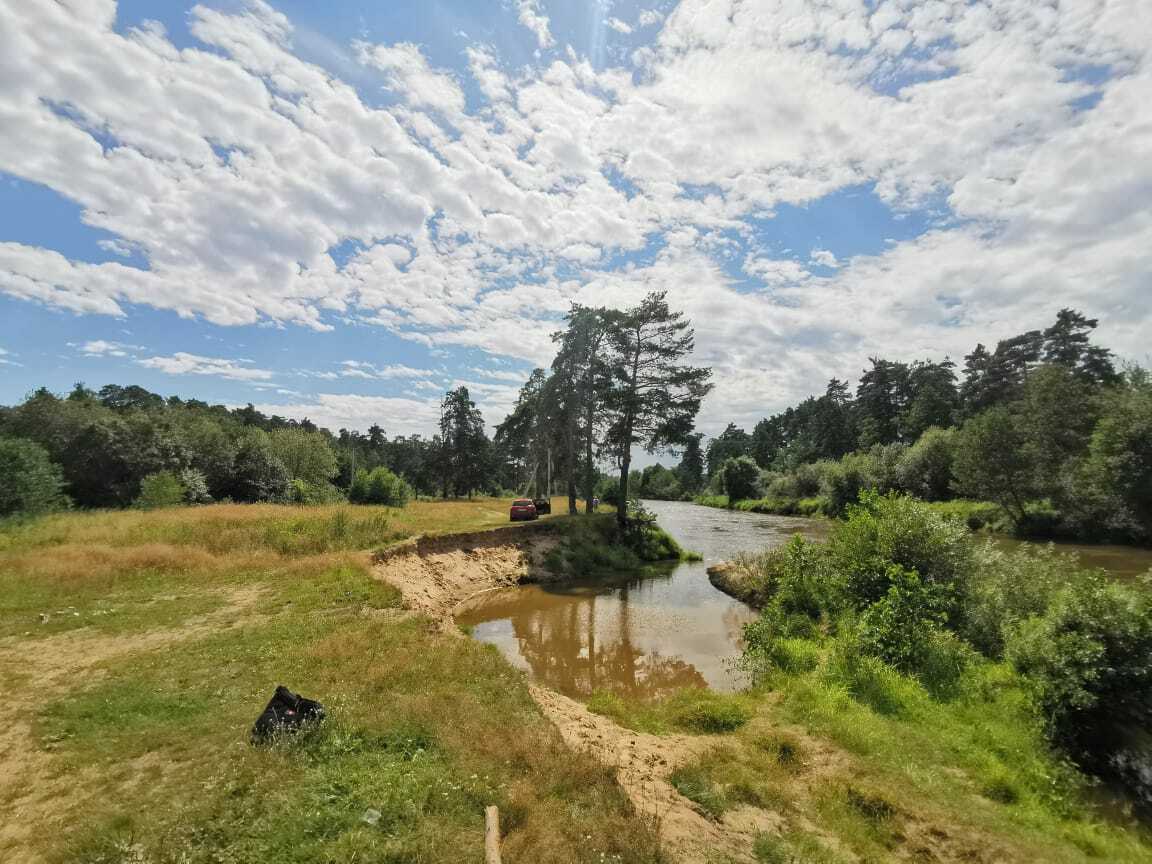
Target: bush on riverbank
pixel 596 545
pixel 900 590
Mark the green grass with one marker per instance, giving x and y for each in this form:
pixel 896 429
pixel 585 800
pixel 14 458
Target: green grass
pixel 980 754
pixel 693 710
pixel 134 724
pixel 886 770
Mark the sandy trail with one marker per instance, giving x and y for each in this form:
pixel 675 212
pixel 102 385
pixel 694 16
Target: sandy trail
pixel 33 792
pixel 643 763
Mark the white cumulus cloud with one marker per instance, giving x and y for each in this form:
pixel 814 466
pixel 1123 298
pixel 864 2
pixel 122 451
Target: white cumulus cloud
pixel 236 170
pixel 182 363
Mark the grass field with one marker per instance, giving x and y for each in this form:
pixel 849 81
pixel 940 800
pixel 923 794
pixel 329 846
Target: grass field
pixel 137 648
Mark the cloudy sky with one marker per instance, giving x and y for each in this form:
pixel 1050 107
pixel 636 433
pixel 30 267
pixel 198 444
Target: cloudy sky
pixel 339 210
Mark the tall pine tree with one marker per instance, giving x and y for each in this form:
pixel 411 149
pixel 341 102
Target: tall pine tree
pixel 655 396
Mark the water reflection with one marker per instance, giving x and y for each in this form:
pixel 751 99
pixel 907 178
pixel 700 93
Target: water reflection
pixel 638 636
pixel 646 634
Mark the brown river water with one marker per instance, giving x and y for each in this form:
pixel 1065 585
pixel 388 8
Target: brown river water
pixel 661 629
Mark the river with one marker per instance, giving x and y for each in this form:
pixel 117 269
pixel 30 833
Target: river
pixel 665 628
pixel 642 634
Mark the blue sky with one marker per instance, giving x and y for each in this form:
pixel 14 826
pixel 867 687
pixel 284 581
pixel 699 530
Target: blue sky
pixel 341 210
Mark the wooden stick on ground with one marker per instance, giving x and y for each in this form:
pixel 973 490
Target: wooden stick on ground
pixel 491 835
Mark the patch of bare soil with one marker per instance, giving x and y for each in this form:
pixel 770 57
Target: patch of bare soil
pixel 33 792
pixel 643 763
pixel 437 575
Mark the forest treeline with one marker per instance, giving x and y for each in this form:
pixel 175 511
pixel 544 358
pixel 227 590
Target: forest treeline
pixel 618 380
pixel 1045 426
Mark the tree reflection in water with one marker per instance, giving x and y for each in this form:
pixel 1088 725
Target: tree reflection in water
pixel 646 634
pixel 580 639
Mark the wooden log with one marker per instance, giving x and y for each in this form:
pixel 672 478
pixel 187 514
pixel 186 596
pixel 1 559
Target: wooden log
pixel 491 835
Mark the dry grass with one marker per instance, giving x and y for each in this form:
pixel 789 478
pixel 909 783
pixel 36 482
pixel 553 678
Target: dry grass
pixel 126 729
pixel 280 528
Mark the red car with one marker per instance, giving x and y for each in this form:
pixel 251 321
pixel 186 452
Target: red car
pixel 523 510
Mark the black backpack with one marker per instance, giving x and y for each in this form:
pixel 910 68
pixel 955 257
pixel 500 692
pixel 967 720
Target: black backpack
pixel 286 712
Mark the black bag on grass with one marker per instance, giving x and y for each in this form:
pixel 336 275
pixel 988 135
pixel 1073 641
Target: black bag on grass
pixel 286 712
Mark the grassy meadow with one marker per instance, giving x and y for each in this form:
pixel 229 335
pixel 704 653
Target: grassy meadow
pixel 139 647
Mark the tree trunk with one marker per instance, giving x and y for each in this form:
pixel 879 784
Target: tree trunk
pixel 630 406
pixel 570 455
pixel 622 505
pixel 589 471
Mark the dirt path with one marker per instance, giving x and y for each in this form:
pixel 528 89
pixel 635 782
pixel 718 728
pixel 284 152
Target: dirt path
pixel 442 576
pixel 31 786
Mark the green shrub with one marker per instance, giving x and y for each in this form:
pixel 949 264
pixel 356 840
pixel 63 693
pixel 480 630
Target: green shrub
pixel 808 478
pixel 977 515
pixel 592 546
pixel 304 492
pixel 645 538
pixel 1009 587
pixel 844 482
pixel 801 481
pixel 162 489
pixel 29 482
pixel 739 478
pixel 379 486
pixel 1089 660
pixel 925 468
pixel 797 578
pixel 898 627
pixel 884 530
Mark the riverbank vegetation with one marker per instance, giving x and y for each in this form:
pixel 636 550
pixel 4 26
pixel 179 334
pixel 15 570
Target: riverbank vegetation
pixel 598 546
pixel 139 646
pixel 1044 429
pixel 976 702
